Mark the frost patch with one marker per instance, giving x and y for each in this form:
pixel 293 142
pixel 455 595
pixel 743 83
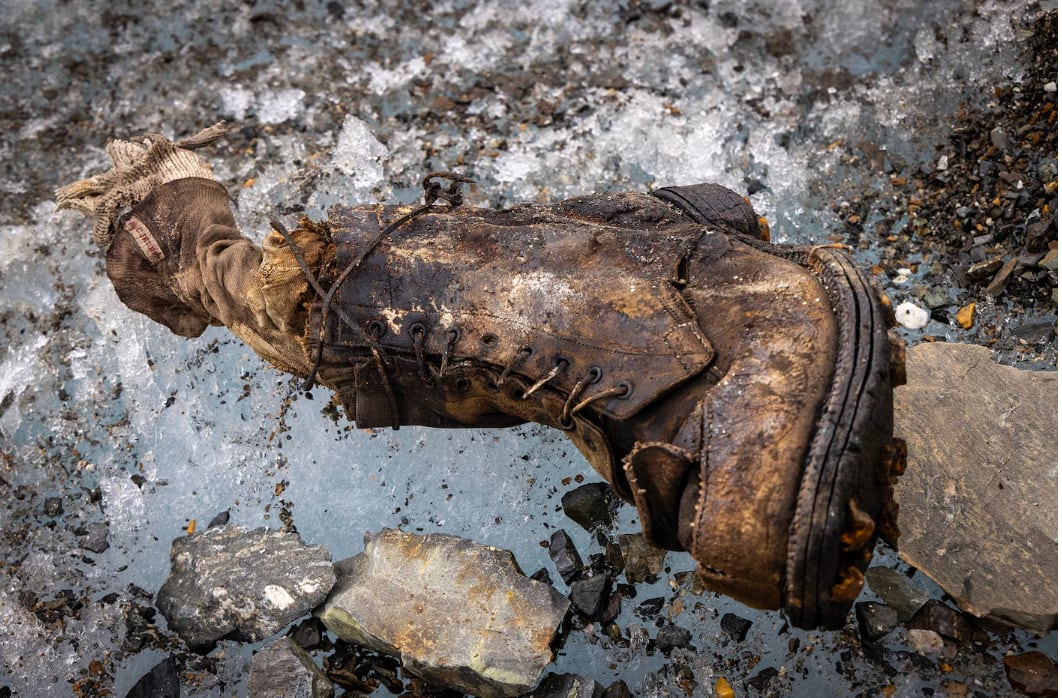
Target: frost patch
pixel 358 154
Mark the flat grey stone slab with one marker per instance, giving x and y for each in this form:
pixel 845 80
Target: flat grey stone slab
pixel 457 613
pixel 978 511
pixel 251 583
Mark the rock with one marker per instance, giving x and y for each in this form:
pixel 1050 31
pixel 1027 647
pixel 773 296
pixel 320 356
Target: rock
pixel 590 596
pixel 762 681
pixel 672 636
pixel 896 590
pixel 1032 673
pixel 999 137
pixel 641 562
pixel 564 555
pixel 459 614
pixel 735 626
pixel 617 689
pixel 282 669
pixel 592 506
pixel 163 681
pixel 977 505
pixel 965 316
pixel 53 506
pixel 308 634
pixel 219 520
pixel 567 686
pixel 911 316
pixel 650 608
pixel 925 642
pixel 723 688
pixel 94 537
pixel 936 297
pixel 1050 260
pixel 875 620
pixel 943 620
pixel 251 583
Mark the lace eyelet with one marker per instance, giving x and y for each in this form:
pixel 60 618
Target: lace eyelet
pixel 489 340
pixel 417 329
pixel 377 329
pixel 628 390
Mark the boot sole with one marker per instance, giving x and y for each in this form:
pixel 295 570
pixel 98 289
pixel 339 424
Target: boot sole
pixel 845 476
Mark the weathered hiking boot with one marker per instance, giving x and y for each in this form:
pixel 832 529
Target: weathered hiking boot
pixel 738 392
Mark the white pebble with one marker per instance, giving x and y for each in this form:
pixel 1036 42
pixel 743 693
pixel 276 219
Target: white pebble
pixel 911 316
pixel 1050 86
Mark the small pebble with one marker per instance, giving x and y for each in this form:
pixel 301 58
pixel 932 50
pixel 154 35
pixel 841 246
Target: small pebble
pixel 735 626
pixel 1050 260
pixel 53 506
pixel 965 316
pixel 912 316
pixel 723 689
pixel 926 642
pixel 1032 673
pixel 672 636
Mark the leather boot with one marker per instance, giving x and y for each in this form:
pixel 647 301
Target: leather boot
pixel 738 392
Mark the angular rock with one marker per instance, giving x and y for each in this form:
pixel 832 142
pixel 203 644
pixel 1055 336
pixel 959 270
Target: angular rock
pixel 641 562
pixel 567 686
pixel 943 620
pixel 735 626
pixel 592 506
pixel 617 689
pixel 876 620
pixel 458 614
pixel 251 583
pixel 897 591
pixel 308 634
pixel 1032 673
pixel 282 669
pixel 94 537
pixel 163 681
pixel 672 636
pixel 53 506
pixel 590 596
pixel 564 555
pixel 977 505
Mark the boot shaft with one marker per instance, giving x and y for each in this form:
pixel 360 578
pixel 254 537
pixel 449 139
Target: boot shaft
pixel 573 297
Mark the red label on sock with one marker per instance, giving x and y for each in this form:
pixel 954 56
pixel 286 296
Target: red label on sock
pixel 144 240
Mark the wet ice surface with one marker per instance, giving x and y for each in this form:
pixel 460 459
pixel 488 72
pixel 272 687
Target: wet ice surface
pixel 130 426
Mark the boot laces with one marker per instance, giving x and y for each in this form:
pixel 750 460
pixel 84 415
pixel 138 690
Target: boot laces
pixel 433 191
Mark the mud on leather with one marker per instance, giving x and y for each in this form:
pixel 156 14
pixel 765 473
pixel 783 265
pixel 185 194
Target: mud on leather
pixel 738 392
